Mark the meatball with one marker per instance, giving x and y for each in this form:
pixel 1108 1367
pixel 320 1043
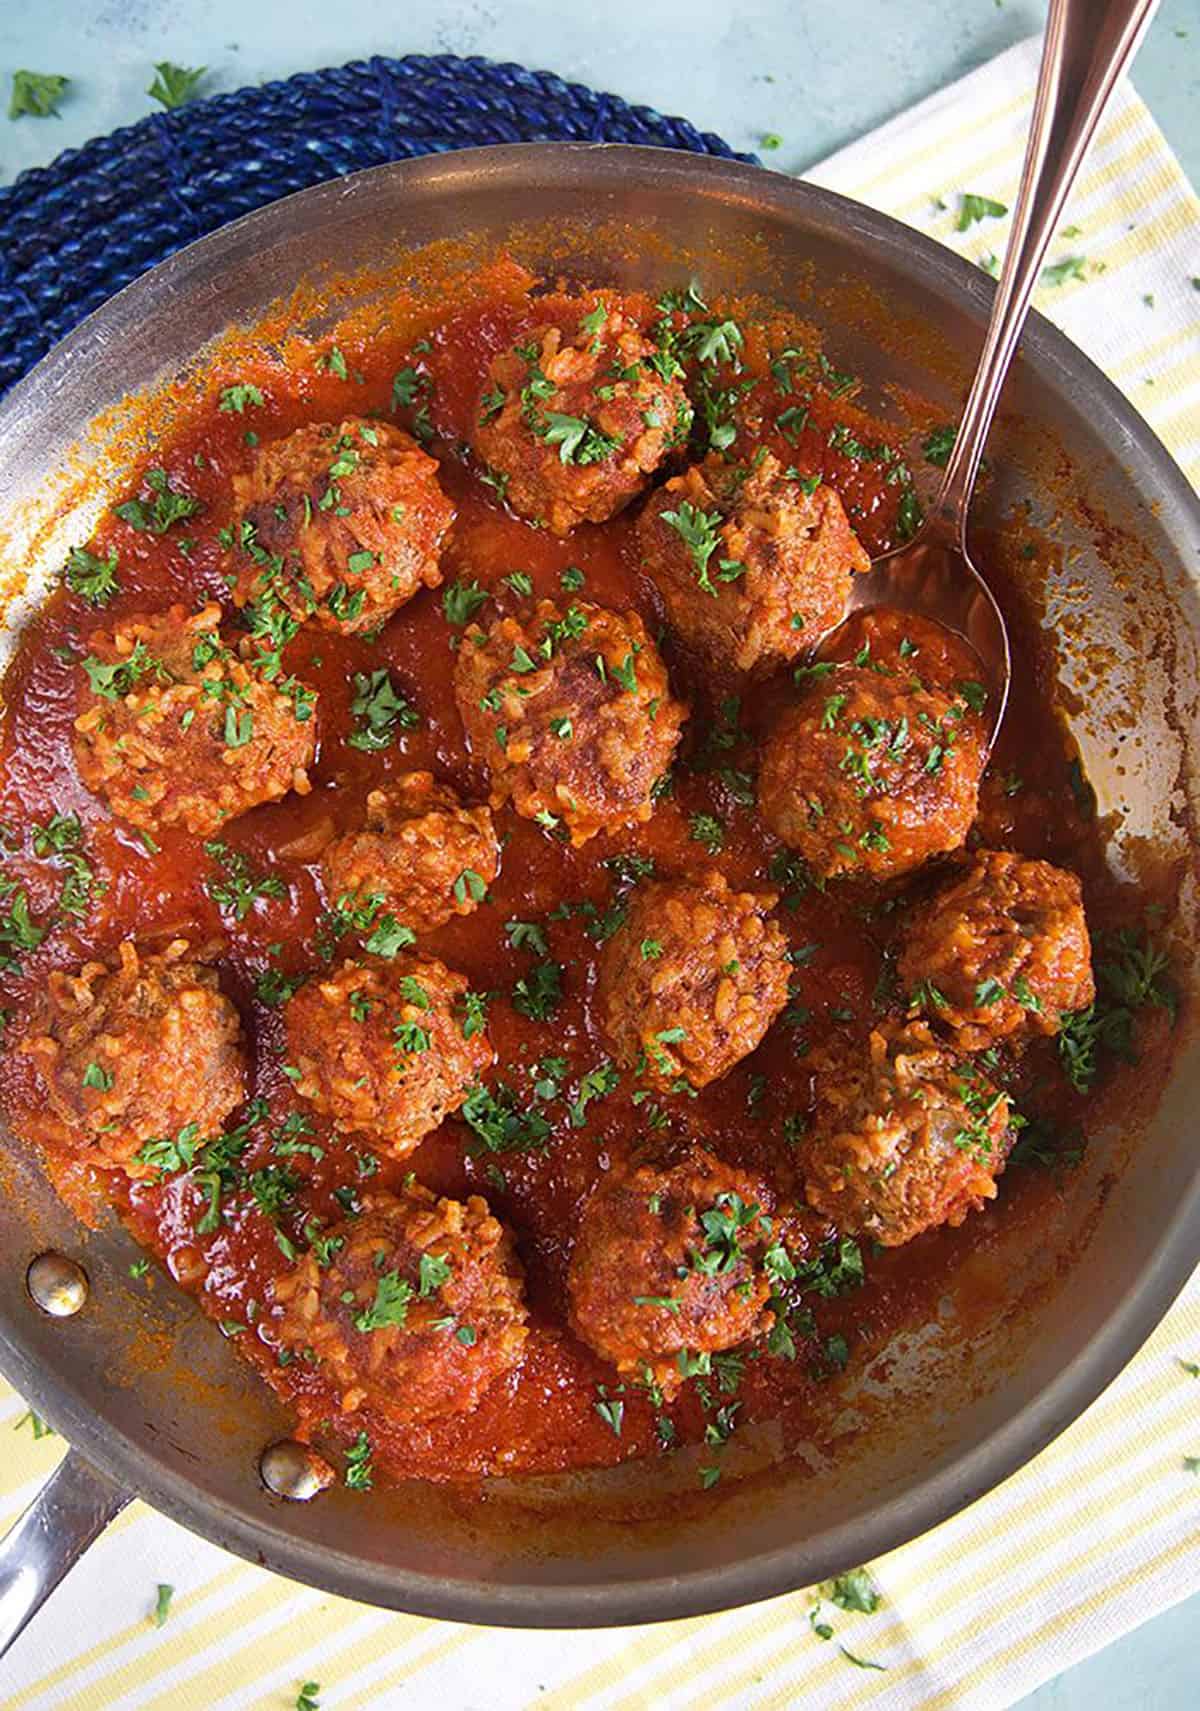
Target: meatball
pixel 134 1060
pixel 340 524
pixel 1002 951
pixel 906 1138
pixel 181 729
pixel 668 1261
pixel 753 567
pixel 419 849
pixel 575 425
pixel 871 772
pixel 418 1308
pixel 572 712
pixel 692 980
pixel 386 1049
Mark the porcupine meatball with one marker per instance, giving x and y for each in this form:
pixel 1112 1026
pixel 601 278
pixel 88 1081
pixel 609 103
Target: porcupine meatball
pixel 419 1309
pixel 385 1049
pixel 413 849
pixel 574 423
pixel 692 980
pixel 907 1136
pixel 669 1259
pixel 339 524
pixel 572 713
pixel 145 1049
pixel 752 565
pixel 871 772
pixel 179 728
pixel 1002 951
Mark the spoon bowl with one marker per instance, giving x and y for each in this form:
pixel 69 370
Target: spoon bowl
pixel 931 578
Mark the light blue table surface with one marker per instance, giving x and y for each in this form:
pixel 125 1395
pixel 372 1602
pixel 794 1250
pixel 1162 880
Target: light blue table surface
pixel 817 76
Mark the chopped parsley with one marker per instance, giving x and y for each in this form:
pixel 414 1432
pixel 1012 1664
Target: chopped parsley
pixel 1133 977
pixel 577 440
pixel 707 830
pixel 1058 273
pixel 469 884
pixel 837 1269
pixel 973 208
pixel 238 398
pixel 158 513
pixel 359 1472
pixel 499 1123
pixel 388 937
pixel 36 94
pixel 461 600
pixel 539 994
pixel 95 579
pixel 390 1306
pixel 522 934
pixel 162 1603
pixel 238 892
pixel 18 931
pixel 938 444
pixel 611 1410
pixel 380 710
pixel 697 530
pixel 854 1590
pixel 174 84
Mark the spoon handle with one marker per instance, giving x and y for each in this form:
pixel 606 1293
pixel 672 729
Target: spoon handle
pixel 1087 46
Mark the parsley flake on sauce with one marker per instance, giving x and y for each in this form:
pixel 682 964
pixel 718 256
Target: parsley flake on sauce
pixel 240 889
pixel 165 507
pixel 91 577
pixel 381 710
pixel 461 600
pixel 239 398
pixel 359 1472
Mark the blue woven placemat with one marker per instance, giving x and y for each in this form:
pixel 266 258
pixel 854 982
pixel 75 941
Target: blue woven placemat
pixel 74 232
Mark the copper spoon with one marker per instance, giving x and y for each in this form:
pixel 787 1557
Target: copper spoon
pixel 1087 46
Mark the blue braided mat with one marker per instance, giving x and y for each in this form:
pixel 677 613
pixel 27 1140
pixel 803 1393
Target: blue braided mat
pixel 74 232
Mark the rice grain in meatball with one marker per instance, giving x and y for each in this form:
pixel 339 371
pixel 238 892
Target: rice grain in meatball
pixel 692 980
pixel 871 772
pixel 574 423
pixel 1002 951
pixel 180 728
pixel 341 524
pixel 418 1309
pixel 134 1058
pixel 420 850
pixel 753 565
pixel 386 1050
pixel 907 1136
pixel 572 712
pixel 672 1260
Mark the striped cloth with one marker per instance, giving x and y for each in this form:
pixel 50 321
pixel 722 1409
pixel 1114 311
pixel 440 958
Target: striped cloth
pixel 1100 1532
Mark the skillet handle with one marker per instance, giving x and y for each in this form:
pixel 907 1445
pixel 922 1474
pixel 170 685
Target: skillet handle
pixel 69 1512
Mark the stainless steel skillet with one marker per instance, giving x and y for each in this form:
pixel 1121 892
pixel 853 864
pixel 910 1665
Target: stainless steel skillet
pixel 149 1395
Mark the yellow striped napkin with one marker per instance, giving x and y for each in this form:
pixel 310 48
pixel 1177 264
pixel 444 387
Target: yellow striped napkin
pixel 1101 1531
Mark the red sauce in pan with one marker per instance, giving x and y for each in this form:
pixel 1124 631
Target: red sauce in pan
pixel 544 1417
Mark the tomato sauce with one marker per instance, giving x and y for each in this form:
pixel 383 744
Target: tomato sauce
pixel 545 1417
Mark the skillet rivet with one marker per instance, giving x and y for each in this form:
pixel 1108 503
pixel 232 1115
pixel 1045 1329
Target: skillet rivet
pixel 294 1470
pixel 57 1285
